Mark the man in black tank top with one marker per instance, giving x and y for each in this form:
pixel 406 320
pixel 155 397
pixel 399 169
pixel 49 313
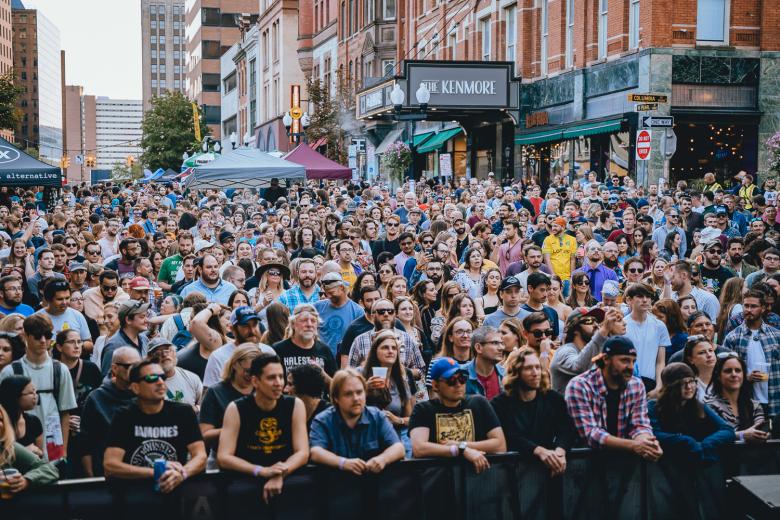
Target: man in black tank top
pixel 264 434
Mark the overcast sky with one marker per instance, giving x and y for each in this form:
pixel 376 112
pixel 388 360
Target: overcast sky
pixel 102 42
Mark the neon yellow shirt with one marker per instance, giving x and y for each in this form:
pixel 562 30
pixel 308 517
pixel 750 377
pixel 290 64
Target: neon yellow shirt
pixel 560 250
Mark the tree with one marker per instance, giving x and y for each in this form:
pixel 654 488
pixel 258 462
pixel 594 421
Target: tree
pixel 324 113
pixel 121 172
pixel 10 113
pixel 168 131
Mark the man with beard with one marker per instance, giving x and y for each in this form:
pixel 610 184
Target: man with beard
pixel 228 242
pixel 108 290
pixel 245 324
pixel 539 237
pixel 735 247
pixel 609 405
pixel 161 243
pixel 512 249
pixel 183 385
pixel 368 295
pixel 586 332
pixel 595 270
pixel 610 250
pixel 303 346
pixel 45 270
pixel 534 263
pixel 713 274
pixel 682 274
pixel 390 242
pixel 434 269
pixel 647 333
pixel 349 269
pixel 210 284
pixel 77 277
pixel 133 326
pixel 306 290
pixel 461 234
pixel 109 242
pixel 336 312
pixel 130 249
pixel 170 266
pixel 11 296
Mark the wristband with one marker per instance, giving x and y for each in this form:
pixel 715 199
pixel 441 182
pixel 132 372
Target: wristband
pixel 183 473
pixel 342 461
pixel 741 436
pixel 256 471
pixel 453 450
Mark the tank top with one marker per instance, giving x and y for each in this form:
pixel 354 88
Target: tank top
pixel 265 437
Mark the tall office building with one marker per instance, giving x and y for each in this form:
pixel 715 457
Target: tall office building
pixel 212 28
pixel 163 47
pixel 38 70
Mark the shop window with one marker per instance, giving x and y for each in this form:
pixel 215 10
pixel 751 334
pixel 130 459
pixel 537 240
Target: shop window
pixel 511 32
pixel 484 26
pixel 633 25
pixel 712 21
pixel 603 19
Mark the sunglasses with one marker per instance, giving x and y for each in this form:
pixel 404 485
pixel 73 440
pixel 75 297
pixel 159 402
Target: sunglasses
pixel 274 272
pixel 636 270
pixel 427 241
pixel 727 355
pixel 590 320
pixel 392 224
pixel 384 312
pixel 153 378
pixel 42 335
pixel 539 333
pixel 581 282
pixel 458 379
pixel 109 287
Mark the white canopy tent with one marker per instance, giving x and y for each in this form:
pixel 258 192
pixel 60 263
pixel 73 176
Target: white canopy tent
pixel 243 168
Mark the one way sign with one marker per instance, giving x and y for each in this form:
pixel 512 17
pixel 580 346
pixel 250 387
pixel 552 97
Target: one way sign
pixel 657 122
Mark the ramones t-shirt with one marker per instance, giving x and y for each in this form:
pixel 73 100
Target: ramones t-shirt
pixel 148 437
pixel 470 421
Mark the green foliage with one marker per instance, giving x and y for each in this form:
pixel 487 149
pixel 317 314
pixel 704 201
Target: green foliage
pixel 397 158
pixel 10 114
pixel 324 114
pixel 123 173
pixel 168 131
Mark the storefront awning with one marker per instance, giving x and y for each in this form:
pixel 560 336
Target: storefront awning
pixel 592 128
pixel 438 140
pixel 543 136
pixel 419 139
pixel 390 138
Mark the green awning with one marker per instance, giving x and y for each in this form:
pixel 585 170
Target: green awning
pixel 438 140
pixel 543 136
pixel 419 139
pixel 592 128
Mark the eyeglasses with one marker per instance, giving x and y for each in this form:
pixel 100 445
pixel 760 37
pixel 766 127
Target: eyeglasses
pixel 688 381
pixel 462 332
pixel 384 312
pixel 458 379
pixel 72 244
pixel 539 333
pixel 153 378
pixel 715 251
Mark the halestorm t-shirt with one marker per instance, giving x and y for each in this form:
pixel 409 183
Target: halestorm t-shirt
pixel 148 437
pixel 470 421
pixel 292 355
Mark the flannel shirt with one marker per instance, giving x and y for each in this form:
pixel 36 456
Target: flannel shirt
pixel 293 297
pixel 769 337
pixel 587 404
pixel 410 353
pixel 738 319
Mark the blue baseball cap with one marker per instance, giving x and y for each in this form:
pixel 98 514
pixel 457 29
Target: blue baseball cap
pixel 242 315
pixel 445 368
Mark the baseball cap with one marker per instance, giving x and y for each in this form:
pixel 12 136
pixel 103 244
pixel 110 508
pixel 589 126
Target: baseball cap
pixel 139 283
pixel 713 243
pixel 508 282
pixel 158 236
pixel 76 266
pixel 721 210
pixel 551 190
pixel 157 343
pixel 580 313
pixel 200 245
pixel 332 278
pixel 242 315
pixel 641 203
pixel 445 368
pixel 619 346
pixel 225 236
pixel 130 308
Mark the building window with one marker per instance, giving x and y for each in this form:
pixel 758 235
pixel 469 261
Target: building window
pixel 343 21
pixel 452 43
pixel 369 11
pixel 712 21
pixel 511 32
pixel 633 24
pixel 603 19
pixel 275 36
pixel 545 34
pixel 210 16
pixel 229 83
pixel 569 33
pixel 484 27
pixel 154 24
pixel 352 17
pixel 388 9
pixel 154 83
pixel 152 10
pixel 176 84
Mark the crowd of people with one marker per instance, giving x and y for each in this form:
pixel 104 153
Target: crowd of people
pixel 150 333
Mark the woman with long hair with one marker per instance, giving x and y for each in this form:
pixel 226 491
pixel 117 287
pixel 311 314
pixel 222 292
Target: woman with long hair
pixel 277 317
pixel 11 348
pixel 448 292
pixel 271 284
pixel 648 252
pixel 469 277
pixel 669 313
pixel 463 306
pixel 672 244
pixel 555 298
pixel 655 277
pixel 684 426
pixel 638 237
pixel 19 397
pixel 425 296
pixel 364 279
pixel 687 306
pixel 14 322
pixel 33 472
pixel 156 258
pixel 699 354
pixel 408 314
pixel 511 330
pixel 209 329
pixel 239 298
pixel 329 227
pixel 580 291
pixel 730 303
pixel 624 249
pixel 456 340
pixel 396 287
pixel 731 397
pixel 583 235
pixel 489 302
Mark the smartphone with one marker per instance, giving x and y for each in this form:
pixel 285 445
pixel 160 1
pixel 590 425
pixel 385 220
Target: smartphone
pixel 766 426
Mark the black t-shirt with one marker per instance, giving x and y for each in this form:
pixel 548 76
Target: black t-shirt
pixel 33 429
pixel 90 379
pixel 715 278
pixel 552 317
pixel 190 359
pixel 470 421
pixel 215 402
pixel 613 404
pixel 148 437
pixel 292 355
pixel 265 437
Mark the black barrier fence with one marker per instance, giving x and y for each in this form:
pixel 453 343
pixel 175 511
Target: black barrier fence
pixel 597 485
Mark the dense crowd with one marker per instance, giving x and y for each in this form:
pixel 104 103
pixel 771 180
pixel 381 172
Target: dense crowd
pixel 150 333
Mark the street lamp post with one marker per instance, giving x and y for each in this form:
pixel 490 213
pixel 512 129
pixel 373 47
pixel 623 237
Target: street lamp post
pixel 233 140
pixel 423 96
pixel 287 121
pixel 205 146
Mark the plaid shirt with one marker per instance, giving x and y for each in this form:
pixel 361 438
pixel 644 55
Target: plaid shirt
pixel 293 297
pixel 410 353
pixel 586 399
pixel 769 337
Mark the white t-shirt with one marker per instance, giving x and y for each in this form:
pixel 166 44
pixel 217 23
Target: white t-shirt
pixel 755 355
pixel 184 387
pixel 220 357
pixel 648 337
pixel 69 320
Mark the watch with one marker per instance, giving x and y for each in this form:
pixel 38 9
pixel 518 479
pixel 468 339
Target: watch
pixel 462 447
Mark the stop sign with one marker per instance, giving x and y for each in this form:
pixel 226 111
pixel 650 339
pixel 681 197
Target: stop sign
pixel 643 144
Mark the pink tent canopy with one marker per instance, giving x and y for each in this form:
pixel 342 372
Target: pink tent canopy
pixel 317 166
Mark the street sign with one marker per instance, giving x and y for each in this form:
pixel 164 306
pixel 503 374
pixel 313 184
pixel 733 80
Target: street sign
pixel 644 139
pixel 645 107
pixel 670 143
pixel 658 122
pixel 648 98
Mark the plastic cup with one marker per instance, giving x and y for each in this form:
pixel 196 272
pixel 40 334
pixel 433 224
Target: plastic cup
pixel 764 369
pixel 5 486
pixel 379 372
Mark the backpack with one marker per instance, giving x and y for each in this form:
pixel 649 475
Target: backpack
pixel 183 337
pixel 55 390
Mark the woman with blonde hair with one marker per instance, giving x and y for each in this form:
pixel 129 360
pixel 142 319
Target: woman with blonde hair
pixel 448 292
pixel 730 303
pixel 31 471
pixel 396 287
pixel 555 298
pixel 511 330
pixel 13 323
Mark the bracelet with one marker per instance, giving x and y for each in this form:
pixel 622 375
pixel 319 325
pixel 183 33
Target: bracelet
pixel 741 436
pixel 453 450
pixel 256 471
pixel 183 473
pixel 342 461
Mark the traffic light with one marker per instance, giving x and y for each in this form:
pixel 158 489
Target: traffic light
pixel 65 162
pixel 90 161
pixel 130 160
